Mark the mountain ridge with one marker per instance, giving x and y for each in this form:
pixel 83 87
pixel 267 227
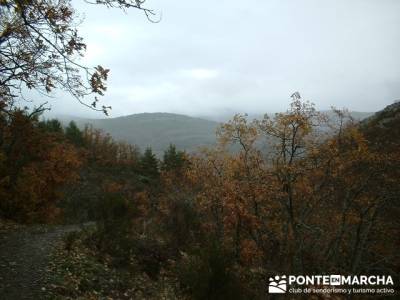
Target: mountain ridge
pixel 159 130
pixel 156 130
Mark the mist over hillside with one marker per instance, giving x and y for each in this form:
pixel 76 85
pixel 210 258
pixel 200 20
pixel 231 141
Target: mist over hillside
pixel 158 130
pixel 228 114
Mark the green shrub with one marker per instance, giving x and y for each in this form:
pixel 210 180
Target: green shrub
pixel 208 274
pixel 182 226
pixel 151 254
pixel 70 239
pixel 118 236
pixel 114 226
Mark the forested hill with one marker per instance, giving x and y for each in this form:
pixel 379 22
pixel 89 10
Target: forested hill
pixel 156 130
pixel 383 128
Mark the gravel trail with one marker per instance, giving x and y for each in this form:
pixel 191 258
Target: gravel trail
pixel 24 257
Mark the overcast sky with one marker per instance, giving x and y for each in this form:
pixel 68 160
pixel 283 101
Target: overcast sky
pixel 227 56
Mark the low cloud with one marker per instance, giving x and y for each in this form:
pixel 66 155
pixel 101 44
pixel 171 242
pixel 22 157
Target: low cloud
pixel 244 57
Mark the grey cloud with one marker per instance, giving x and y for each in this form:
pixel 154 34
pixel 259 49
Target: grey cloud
pixel 342 53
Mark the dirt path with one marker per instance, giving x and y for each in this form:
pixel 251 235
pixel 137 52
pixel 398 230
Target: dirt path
pixel 24 256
